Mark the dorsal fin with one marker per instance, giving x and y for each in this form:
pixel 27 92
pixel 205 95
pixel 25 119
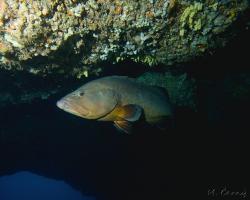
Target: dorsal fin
pixel 124 78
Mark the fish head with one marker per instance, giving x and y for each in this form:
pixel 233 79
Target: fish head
pixel 89 102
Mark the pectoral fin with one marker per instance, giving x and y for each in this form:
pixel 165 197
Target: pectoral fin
pixel 126 116
pixel 123 126
pixel 130 112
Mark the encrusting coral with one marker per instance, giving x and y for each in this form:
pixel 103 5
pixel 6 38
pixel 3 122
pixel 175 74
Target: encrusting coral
pixel 73 37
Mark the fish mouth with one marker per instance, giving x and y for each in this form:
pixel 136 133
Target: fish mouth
pixel 71 108
pixel 62 104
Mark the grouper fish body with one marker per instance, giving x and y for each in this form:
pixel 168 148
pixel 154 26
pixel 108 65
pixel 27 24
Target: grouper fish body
pixel 119 99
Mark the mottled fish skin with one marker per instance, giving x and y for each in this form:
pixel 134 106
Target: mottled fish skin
pixel 119 99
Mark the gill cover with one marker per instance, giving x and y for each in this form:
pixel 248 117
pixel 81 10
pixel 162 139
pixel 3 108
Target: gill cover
pixel 100 102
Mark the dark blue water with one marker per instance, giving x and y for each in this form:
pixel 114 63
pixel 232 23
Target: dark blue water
pixel 29 186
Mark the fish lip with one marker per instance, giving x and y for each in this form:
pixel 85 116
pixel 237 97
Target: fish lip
pixel 59 104
pixel 66 106
pixel 63 104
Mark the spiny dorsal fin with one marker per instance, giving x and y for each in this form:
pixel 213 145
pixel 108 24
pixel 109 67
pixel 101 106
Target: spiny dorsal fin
pixel 123 77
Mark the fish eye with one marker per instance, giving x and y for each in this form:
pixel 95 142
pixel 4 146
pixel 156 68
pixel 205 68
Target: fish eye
pixel 81 94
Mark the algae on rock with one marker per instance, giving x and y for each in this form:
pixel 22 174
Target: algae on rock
pixel 72 38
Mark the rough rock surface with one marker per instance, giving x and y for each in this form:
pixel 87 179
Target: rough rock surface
pixel 71 37
pixel 45 46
